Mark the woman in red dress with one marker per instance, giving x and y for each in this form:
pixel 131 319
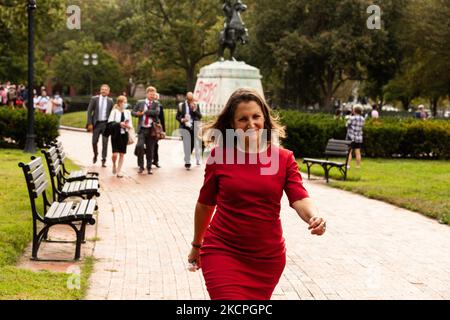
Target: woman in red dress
pixel 241 249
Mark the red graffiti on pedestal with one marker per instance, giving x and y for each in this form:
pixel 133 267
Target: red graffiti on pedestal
pixel 205 92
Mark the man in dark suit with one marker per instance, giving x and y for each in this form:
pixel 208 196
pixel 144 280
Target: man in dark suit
pixel 188 114
pixel 97 119
pixel 148 112
pixel 163 124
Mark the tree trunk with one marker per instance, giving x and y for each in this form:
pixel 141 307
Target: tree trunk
pixel 434 105
pixel 190 78
pixel 328 90
pixel 405 103
pixel 328 95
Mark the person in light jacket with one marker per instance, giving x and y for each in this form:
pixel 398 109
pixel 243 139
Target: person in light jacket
pixel 120 123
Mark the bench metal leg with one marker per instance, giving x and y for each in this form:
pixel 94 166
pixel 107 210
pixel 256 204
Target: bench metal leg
pixel 327 172
pixel 37 239
pixel 45 237
pixel 79 234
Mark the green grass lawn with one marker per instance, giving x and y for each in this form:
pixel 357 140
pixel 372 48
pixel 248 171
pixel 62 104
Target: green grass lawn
pixel 418 185
pixel 15 235
pixel 75 119
pixel 78 120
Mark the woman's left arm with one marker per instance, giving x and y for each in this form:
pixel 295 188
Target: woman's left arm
pixel 308 212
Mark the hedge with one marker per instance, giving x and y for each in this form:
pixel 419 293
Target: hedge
pixel 307 136
pixel 81 103
pixel 13 126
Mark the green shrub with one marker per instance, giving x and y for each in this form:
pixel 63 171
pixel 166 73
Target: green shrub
pixel 81 103
pixel 307 136
pixel 13 125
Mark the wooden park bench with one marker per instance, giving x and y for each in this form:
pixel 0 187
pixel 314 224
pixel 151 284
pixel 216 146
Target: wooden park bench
pixel 56 213
pixel 74 175
pixel 334 148
pixel 62 189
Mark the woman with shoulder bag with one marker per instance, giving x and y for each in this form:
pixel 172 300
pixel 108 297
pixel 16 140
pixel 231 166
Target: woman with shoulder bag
pixel 120 125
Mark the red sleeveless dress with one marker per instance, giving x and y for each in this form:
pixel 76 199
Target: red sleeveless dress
pixel 243 253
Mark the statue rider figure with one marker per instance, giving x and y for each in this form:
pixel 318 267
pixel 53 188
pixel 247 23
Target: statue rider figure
pixel 234 28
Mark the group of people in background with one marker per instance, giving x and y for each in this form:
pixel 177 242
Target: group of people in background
pixel 13 95
pixel 16 96
pixel 106 119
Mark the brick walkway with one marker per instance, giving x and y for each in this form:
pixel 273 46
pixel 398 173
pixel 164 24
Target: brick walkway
pixel 372 250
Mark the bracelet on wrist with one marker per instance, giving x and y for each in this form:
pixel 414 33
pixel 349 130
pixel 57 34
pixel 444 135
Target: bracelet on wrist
pixel 195 245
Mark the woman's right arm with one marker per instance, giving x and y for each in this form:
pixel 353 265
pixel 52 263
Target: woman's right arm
pixel 203 214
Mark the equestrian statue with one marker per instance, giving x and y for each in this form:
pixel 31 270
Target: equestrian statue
pixel 234 28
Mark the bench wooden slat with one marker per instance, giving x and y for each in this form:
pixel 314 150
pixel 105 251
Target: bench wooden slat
pixel 91 207
pixel 83 185
pixel 57 169
pixel 76 186
pixel 66 210
pixel 71 215
pixel 35 163
pixel 37 172
pixel 338 164
pixel 66 187
pixel 54 157
pixel 336 148
pixel 94 184
pixel 52 210
pixel 52 151
pixel 39 180
pixel 337 153
pixel 81 210
pixel 38 191
pixel 347 142
pixel 58 210
pixel 314 160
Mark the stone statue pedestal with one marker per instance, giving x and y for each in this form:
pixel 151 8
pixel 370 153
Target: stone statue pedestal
pixel 217 81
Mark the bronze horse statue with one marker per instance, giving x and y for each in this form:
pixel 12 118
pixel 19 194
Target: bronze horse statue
pixel 234 29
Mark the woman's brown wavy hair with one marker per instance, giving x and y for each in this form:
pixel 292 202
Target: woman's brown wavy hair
pixel 226 117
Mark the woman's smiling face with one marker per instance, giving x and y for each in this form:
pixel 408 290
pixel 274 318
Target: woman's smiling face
pixel 250 119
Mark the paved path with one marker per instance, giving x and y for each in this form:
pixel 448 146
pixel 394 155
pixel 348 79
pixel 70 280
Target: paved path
pixel 372 250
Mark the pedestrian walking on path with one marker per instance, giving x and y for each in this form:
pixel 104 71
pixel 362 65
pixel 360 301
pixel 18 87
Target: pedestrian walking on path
pixel 148 112
pixel 163 124
pixel 188 115
pixel 120 125
pixel 98 113
pixel 355 125
pixel 241 251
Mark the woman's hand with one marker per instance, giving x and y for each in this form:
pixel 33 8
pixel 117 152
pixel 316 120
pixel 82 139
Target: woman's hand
pixel 194 259
pixel 317 226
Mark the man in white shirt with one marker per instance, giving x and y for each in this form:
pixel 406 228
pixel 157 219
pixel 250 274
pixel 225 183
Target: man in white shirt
pixel 97 119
